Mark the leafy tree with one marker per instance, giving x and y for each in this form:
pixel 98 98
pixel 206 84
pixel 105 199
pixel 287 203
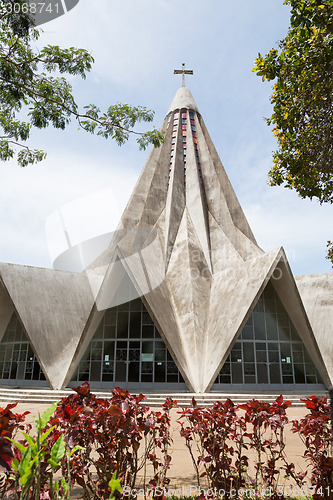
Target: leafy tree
pixel 33 95
pixel 302 115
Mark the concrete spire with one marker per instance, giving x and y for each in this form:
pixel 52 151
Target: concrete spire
pixel 183 99
pixel 210 267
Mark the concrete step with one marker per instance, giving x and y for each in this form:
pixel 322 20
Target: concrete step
pixel 45 396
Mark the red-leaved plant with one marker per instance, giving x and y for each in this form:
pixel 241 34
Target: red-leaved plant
pixel 215 439
pixel 315 431
pixel 117 434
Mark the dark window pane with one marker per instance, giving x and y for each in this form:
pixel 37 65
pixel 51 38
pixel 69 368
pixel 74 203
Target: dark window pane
pixel 249 369
pixel 269 292
pixel 284 333
pixel 237 376
pixel 285 353
pixel 120 372
pixel 262 374
pixel 135 305
pixel 135 325
pixel 261 356
pixel 271 325
pixel 274 373
pixel 122 325
pixel 110 331
pixel 159 372
pixel 260 346
pixel 133 372
pixel 294 334
pixel 287 369
pixel 236 355
pixel 310 369
pixel 259 326
pixel 307 357
pixel 259 306
pixel 270 306
pixel 248 350
pixel 95 371
pixel 273 356
pixel 147 331
pixel 299 374
pixel 110 317
pixel 311 379
pixel 247 332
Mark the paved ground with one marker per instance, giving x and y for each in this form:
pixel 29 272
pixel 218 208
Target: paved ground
pixel 182 473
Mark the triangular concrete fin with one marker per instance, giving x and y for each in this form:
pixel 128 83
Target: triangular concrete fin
pixel 25 366
pixel 157 191
pixel 6 309
pixel 316 292
pixel 190 290
pixel 195 198
pixel 176 200
pixel 211 167
pixel 53 306
pixel 233 295
pixel 288 293
pixel 270 351
pixel 179 284
pixel 223 253
pixel 278 271
pixel 136 205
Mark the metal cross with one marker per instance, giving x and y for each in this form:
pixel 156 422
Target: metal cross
pixel 183 72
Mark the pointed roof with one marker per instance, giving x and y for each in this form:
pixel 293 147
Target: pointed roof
pixel 193 242
pixel 183 99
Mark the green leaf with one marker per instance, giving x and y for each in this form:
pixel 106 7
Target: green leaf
pixel 46 433
pixel 64 484
pixel 115 484
pixel 53 464
pixel 19 446
pixel 73 450
pixel 44 419
pixel 26 467
pixel 15 464
pixel 30 440
pixel 58 449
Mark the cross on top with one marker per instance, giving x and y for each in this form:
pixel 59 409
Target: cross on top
pixel 183 72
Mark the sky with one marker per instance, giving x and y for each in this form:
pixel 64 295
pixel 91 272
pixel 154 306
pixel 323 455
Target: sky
pixel 86 181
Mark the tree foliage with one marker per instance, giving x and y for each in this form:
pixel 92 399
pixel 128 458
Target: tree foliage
pixel 32 94
pixel 302 115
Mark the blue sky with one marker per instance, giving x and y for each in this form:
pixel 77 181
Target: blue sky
pixel 136 46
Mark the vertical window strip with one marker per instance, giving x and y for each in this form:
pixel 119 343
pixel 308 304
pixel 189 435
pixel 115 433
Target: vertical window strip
pixel 174 137
pixel 195 140
pixel 184 129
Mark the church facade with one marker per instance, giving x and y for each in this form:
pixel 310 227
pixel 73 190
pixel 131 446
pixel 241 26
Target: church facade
pixel 183 298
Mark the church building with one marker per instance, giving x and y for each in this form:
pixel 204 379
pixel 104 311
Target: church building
pixel 182 299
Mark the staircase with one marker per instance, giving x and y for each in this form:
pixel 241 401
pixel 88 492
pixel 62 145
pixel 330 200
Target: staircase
pixel 45 396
